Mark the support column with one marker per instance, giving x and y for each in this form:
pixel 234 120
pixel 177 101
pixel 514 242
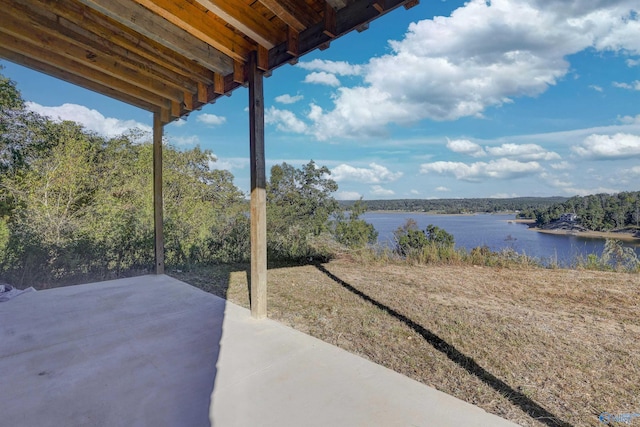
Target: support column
pixel 258 192
pixel 157 194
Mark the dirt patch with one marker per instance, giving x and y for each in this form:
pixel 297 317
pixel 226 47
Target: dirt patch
pixel 536 346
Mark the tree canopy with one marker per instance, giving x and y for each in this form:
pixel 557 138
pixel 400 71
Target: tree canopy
pixel 74 203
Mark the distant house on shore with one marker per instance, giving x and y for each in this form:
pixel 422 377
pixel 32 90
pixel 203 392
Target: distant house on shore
pixel 569 217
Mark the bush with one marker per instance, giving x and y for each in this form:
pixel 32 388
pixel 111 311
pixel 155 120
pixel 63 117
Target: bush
pixel 354 232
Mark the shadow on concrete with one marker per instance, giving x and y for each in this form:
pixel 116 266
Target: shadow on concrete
pixel 517 398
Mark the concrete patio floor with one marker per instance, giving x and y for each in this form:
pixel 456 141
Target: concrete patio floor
pixel 154 351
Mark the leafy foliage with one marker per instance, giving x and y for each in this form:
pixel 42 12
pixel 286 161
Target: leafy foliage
pixel 598 212
pixel 299 205
pixel 429 245
pixel 76 204
pixel 354 232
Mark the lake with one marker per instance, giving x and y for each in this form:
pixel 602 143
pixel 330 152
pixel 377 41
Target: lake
pixel 495 231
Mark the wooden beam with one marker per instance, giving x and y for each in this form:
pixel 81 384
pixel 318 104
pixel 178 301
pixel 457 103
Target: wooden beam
pixel 292 41
pixel 363 27
pixel 380 5
pixel 239 75
pixel 337 4
pixel 258 191
pixel 157 195
pixel 202 25
pixel 160 30
pixel 188 101
pixel 295 13
pixel 74 68
pixel 263 59
pixel 218 84
pixel 50 26
pixel 411 3
pixel 202 93
pixel 356 14
pixel 245 19
pixel 330 21
pixel 176 109
pixel 32 32
pixel 122 40
pixel 54 71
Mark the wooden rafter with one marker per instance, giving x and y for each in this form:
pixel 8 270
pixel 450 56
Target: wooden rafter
pixel 34 64
pixel 296 14
pixel 172 56
pixel 156 28
pixel 247 20
pixel 201 24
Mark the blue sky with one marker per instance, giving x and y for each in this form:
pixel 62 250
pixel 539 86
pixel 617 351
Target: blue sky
pixel 450 99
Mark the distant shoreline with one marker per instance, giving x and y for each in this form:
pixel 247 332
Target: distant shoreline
pixel 390 211
pixel 628 237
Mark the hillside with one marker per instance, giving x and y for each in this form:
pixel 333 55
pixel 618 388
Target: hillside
pixel 536 346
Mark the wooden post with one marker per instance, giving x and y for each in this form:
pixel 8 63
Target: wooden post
pixel 258 191
pixel 157 193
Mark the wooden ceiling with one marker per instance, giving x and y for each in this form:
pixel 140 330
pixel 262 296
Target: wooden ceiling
pixel 172 56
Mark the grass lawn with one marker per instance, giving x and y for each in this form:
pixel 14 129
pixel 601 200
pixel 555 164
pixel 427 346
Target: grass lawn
pixel 536 346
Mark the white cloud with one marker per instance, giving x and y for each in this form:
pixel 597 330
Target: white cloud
pixel 378 190
pixel 284 120
pixel 288 99
pixel 523 152
pixel 596 88
pixel 633 171
pixel 348 195
pixel 184 140
pixel 603 147
pixel 414 192
pixel 629 120
pixel 322 78
pixel 464 146
pixel 556 181
pixel 485 54
pixel 475 172
pixel 92 120
pixel 442 189
pixel 211 119
pixel 230 163
pixel 564 165
pixel 630 86
pixel 503 195
pixel 375 174
pixel 340 68
pixel 587 191
pixel 633 62
pixel 178 123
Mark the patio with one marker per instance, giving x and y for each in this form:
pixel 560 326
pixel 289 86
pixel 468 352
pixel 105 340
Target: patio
pixel 154 351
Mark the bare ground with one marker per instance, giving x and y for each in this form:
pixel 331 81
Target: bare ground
pixel 535 346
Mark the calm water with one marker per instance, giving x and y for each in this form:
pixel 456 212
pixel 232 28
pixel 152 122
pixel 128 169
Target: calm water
pixel 494 231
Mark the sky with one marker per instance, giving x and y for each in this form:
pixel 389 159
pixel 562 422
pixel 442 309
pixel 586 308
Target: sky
pixel 449 99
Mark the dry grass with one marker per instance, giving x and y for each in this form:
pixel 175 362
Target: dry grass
pixel 536 346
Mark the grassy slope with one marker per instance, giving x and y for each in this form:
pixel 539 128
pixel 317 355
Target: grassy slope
pixel 537 346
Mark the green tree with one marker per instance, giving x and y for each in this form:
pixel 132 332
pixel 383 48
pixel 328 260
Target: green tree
pixel 299 206
pixel 411 241
pixel 353 231
pixel 24 136
pixel 409 238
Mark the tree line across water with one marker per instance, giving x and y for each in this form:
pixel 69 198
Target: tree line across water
pixel 597 212
pixel 461 206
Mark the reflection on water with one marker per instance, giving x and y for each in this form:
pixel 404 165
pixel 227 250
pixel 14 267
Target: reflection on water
pixel 495 231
